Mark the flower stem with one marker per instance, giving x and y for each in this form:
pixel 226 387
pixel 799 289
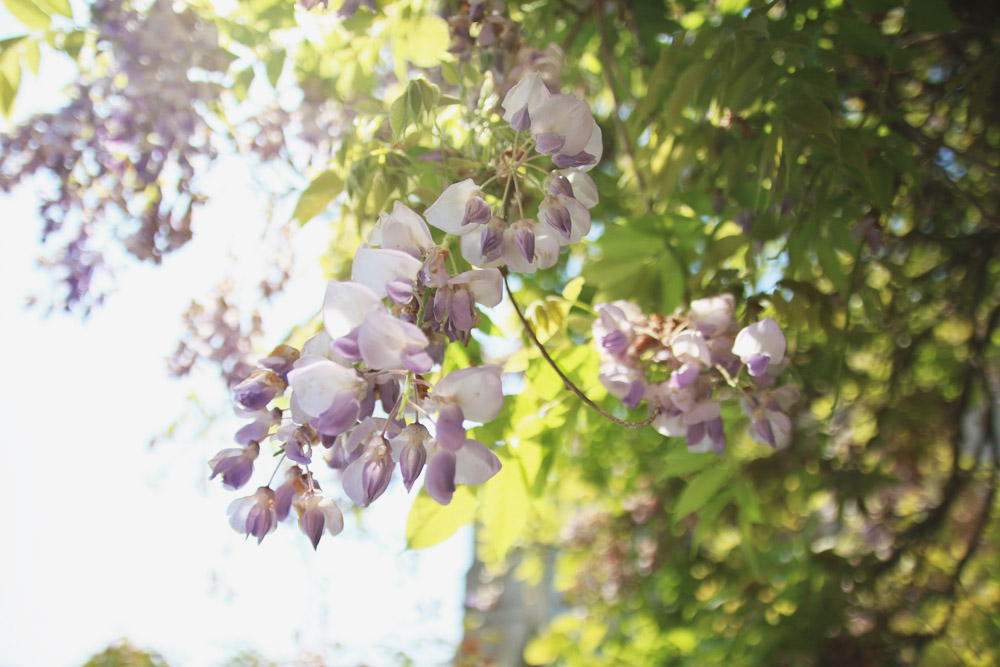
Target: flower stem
pixel 566 381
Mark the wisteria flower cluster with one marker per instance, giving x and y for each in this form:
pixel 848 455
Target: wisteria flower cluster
pixel 386 330
pixel 685 365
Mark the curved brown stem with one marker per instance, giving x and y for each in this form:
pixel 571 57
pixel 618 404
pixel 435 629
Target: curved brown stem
pixel 566 381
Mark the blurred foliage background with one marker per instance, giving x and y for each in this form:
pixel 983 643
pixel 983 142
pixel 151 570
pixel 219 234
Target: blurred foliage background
pixel 831 163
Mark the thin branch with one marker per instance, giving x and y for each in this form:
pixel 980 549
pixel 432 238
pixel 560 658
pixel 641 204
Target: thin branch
pixel 566 381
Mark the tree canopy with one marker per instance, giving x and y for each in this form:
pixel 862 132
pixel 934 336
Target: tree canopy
pixel 831 164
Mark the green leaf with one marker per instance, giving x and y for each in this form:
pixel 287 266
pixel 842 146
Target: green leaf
pixel 429 93
pixel 28 13
pixel 683 462
pixel 275 63
pixel 504 509
pixel 56 7
pixel 931 16
pixel 688 84
pixel 315 198
pixel 423 42
pixel 747 499
pixel 399 115
pixel 32 55
pixel 10 70
pixel 706 518
pixel 572 290
pixel 429 523
pixel 701 489
pixel 810 115
pixel 831 266
pixel 7 95
pixel 241 83
pixel 862 37
pixel 414 99
pixel 731 6
pixel 673 283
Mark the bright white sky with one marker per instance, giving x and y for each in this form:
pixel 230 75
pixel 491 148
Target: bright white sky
pixel 105 538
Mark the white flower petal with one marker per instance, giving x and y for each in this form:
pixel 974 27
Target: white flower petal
pixel 529 92
pixel 346 305
pixel 383 339
pixel 764 338
pixel 405 230
pixel 318 381
pixel 474 463
pixel 486 285
pixel 567 117
pixel 476 390
pixel 448 211
pixel 374 267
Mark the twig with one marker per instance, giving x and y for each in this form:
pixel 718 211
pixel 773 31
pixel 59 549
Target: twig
pixel 566 381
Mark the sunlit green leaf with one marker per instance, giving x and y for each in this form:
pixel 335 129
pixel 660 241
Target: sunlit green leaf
pixel 28 13
pixel 315 198
pixel 56 7
pixel 430 523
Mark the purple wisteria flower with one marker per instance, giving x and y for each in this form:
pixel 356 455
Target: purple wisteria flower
pixel 759 345
pixel 254 515
pixel 460 209
pixel 316 514
pixel 235 465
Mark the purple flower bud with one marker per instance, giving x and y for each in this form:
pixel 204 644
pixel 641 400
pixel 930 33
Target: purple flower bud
pixel 491 243
pixel 581 159
pixel 559 219
pixel 450 431
pixel 549 142
pixel 399 291
pixel 761 429
pixel 487 35
pixel 312 522
pixel 376 472
pixel 341 416
pixel 524 239
pixel 317 513
pixel 521 120
pixel 440 481
pixel 411 462
pixel 235 465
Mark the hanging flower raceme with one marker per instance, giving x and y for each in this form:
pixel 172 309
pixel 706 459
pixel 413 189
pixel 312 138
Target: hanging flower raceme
pixel 367 395
pixel 702 354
